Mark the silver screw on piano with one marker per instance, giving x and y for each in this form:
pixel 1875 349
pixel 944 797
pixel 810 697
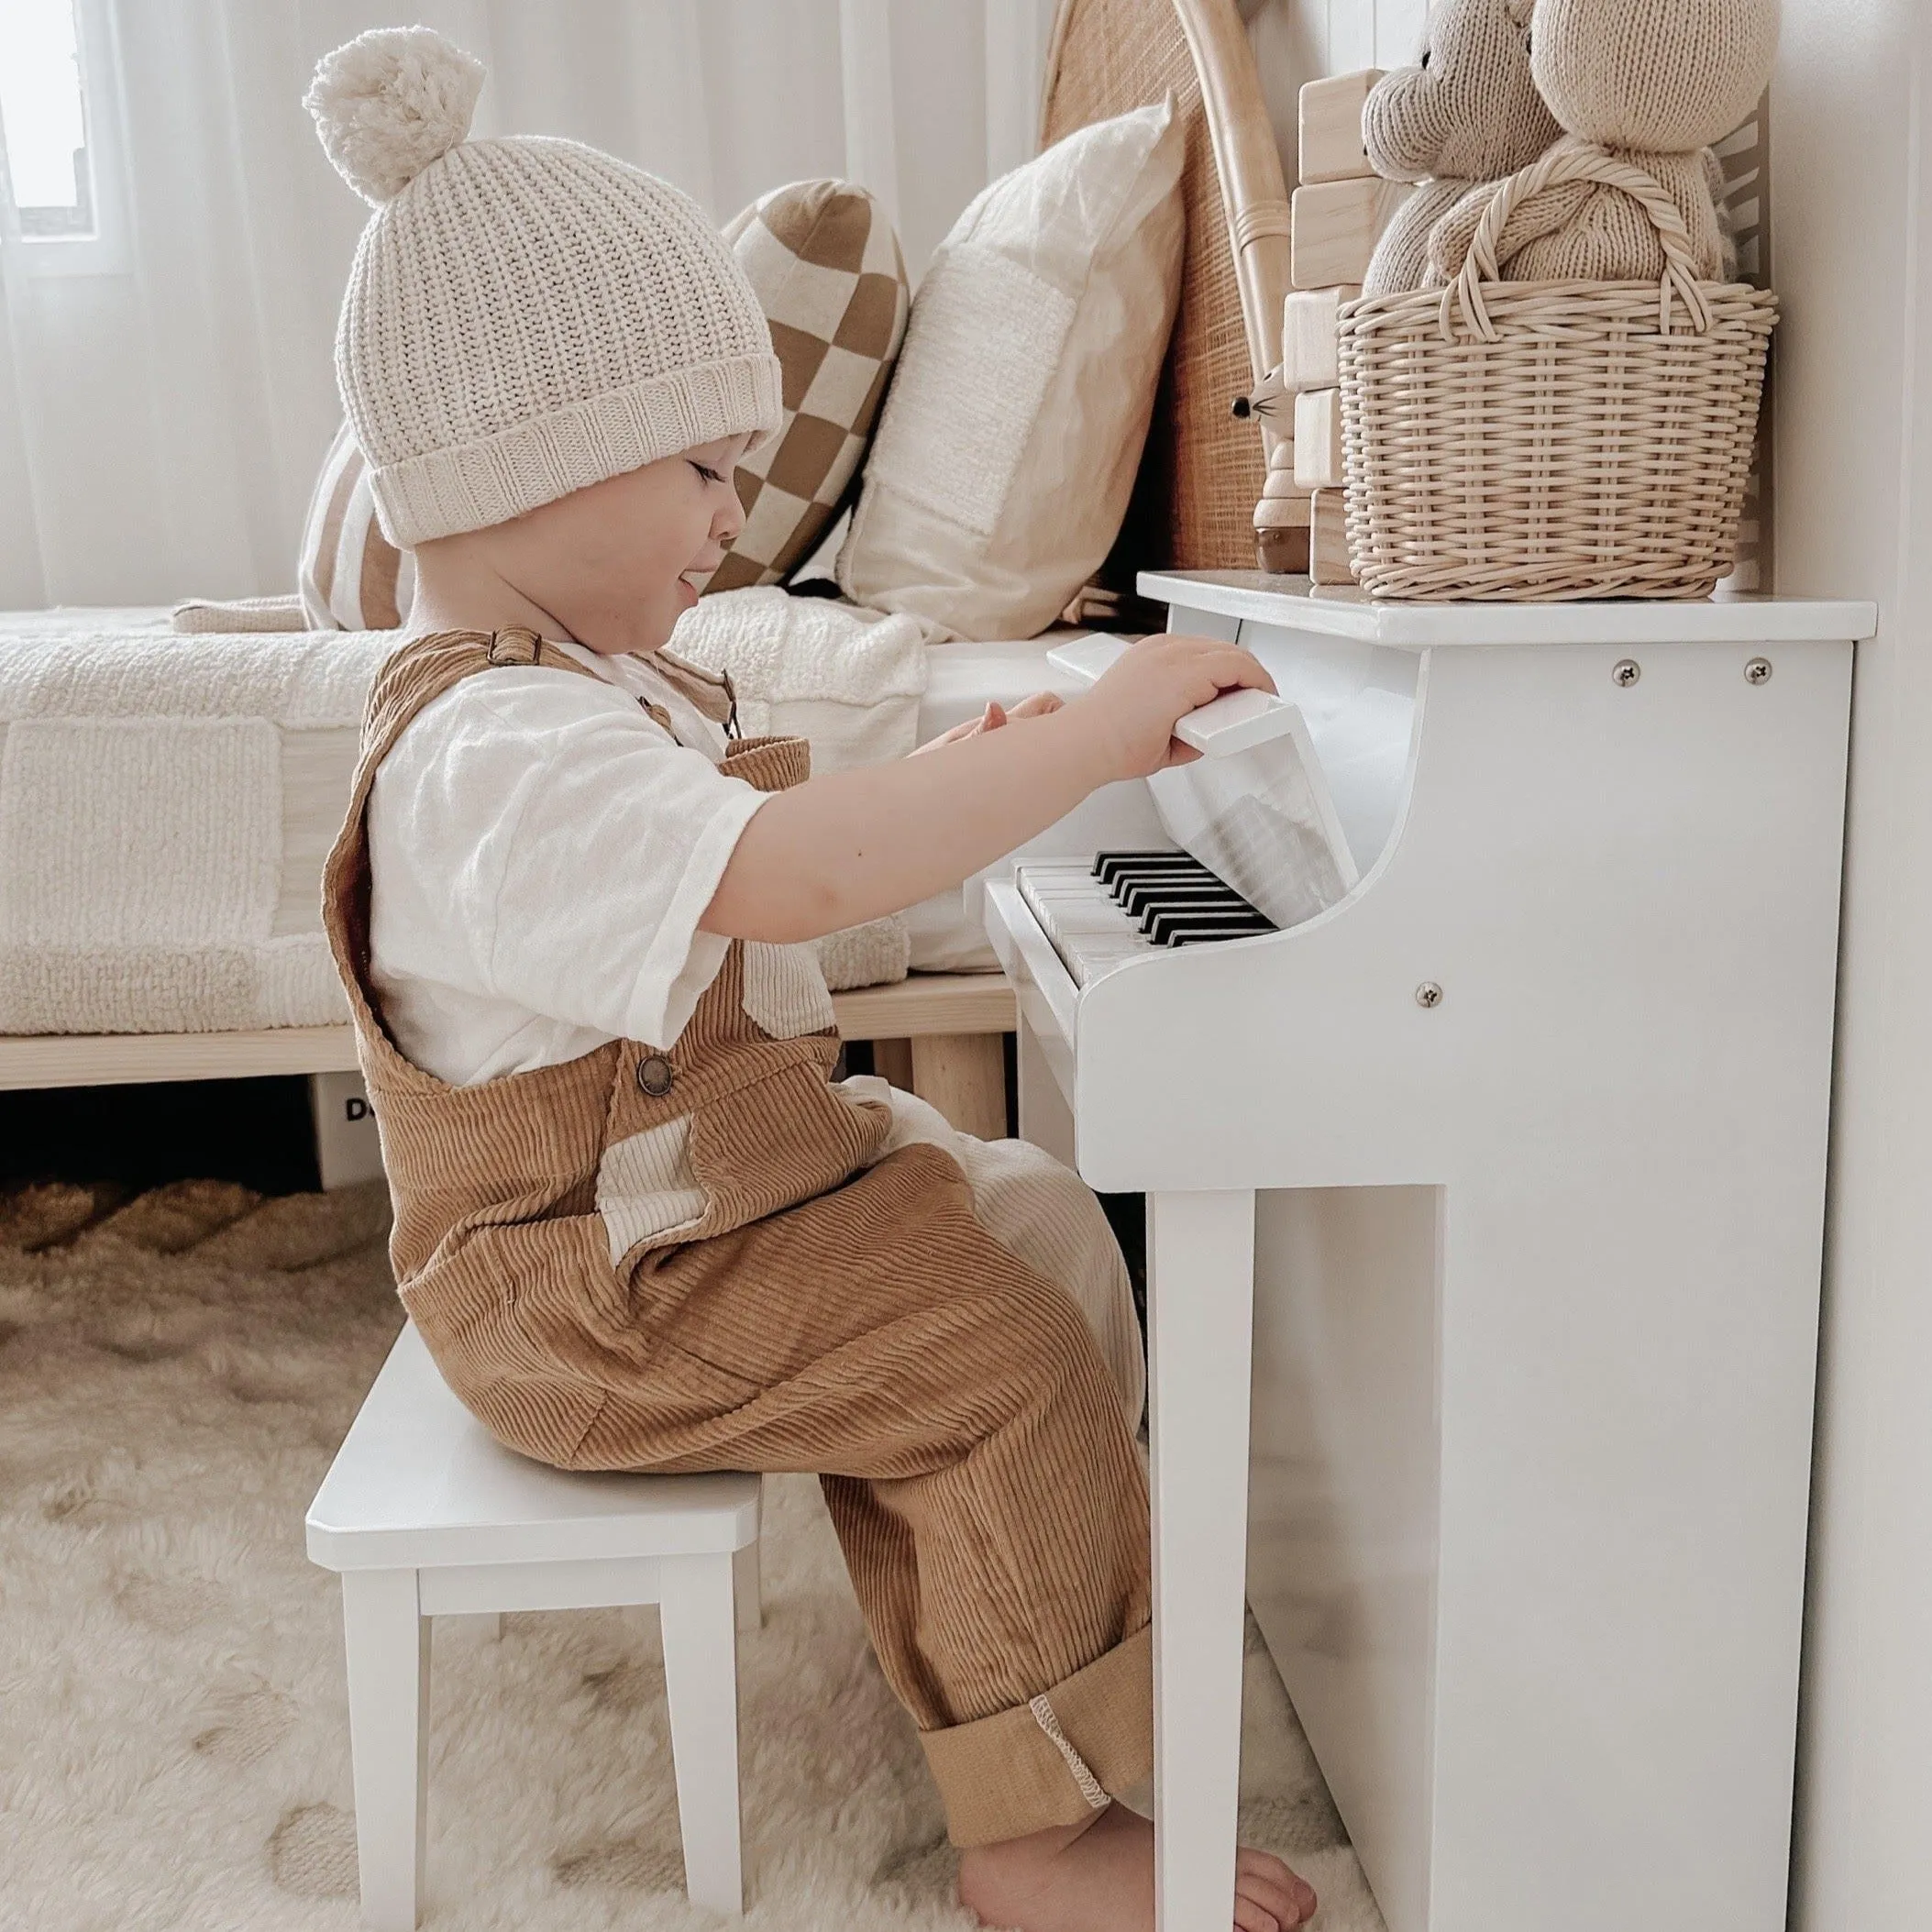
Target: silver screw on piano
pixel 1428 994
pixel 1757 671
pixel 1625 672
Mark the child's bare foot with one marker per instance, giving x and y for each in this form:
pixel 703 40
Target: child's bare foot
pixel 1099 1877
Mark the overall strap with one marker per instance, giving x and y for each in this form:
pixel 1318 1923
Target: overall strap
pixel 418 673
pixel 709 694
pixel 425 668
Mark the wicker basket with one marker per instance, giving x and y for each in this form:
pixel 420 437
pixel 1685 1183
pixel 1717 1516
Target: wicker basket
pixel 1541 440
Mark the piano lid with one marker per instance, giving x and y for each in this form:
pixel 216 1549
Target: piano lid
pixel 1255 808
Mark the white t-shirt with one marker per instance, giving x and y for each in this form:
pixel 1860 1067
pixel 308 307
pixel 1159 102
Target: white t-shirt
pixel 540 854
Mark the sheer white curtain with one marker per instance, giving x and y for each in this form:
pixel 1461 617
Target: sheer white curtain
pixel 163 410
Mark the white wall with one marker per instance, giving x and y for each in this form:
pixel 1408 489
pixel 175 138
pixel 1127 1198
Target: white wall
pixel 1339 36
pixel 1851 238
pixel 1297 40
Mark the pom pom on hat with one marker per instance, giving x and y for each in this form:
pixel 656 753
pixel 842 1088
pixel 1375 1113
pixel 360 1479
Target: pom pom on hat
pixel 532 317
pixel 391 102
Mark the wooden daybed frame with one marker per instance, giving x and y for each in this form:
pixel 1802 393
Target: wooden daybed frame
pixel 1193 509
pixel 940 1034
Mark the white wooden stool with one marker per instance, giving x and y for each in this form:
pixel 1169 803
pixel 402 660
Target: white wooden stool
pixel 424 1514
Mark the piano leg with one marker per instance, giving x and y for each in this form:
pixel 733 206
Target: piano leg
pixel 1200 1295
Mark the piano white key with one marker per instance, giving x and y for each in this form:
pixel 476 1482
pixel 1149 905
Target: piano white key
pixel 1089 959
pixel 1047 992
pixel 1087 928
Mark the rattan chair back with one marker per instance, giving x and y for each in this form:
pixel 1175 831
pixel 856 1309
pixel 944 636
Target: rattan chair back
pixel 1193 504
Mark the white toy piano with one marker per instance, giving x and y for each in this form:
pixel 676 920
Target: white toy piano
pixel 1471 1038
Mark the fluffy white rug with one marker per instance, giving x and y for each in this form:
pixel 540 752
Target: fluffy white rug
pixel 175 1375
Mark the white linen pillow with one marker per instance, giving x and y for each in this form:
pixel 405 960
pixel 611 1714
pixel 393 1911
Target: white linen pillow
pixel 1006 449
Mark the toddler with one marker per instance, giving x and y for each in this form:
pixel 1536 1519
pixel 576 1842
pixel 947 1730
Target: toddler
pixel 638 1224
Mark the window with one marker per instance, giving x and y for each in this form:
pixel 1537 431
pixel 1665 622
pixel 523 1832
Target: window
pixel 57 204
pixel 42 112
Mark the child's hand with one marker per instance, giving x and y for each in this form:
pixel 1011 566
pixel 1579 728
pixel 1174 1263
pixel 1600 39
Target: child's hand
pixel 1151 687
pixel 992 718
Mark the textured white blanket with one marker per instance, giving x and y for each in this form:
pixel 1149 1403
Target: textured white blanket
pixel 166 801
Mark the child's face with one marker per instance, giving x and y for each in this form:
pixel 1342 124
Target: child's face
pixel 615 562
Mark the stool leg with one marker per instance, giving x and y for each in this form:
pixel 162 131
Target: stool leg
pixel 701 1681
pixel 748 1587
pixel 387 1639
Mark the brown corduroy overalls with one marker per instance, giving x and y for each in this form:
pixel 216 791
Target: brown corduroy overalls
pixel 712 1256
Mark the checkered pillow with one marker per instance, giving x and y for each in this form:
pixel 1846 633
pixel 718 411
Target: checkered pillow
pixel 826 266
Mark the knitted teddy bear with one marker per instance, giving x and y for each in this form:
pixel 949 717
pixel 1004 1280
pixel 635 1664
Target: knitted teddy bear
pixel 1469 112
pixel 1651 82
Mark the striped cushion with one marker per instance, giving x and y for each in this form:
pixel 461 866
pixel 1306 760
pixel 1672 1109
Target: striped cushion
pixel 352 577
pixel 828 272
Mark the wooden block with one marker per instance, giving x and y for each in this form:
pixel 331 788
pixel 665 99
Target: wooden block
pixel 1282 513
pixel 1332 148
pixel 1285 552
pixel 1279 484
pixel 1336 227
pixel 1318 439
pixel 1329 539
pixel 1308 336
pixel 964 1075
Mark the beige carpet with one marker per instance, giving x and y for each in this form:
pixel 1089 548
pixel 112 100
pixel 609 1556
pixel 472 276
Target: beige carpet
pixel 175 1372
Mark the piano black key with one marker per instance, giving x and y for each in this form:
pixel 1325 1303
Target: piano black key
pixel 1185 909
pixel 1166 928
pixel 1209 938
pixel 1194 874
pixel 1197 878
pixel 1107 865
pixel 1138 896
pixel 1166 918
pixel 1178 886
pixel 1162 854
pixel 1175 900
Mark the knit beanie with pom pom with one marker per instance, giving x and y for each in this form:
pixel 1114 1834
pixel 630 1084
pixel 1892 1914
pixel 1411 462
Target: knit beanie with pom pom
pixel 525 317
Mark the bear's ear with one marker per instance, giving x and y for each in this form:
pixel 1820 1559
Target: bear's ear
pixel 1403 125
